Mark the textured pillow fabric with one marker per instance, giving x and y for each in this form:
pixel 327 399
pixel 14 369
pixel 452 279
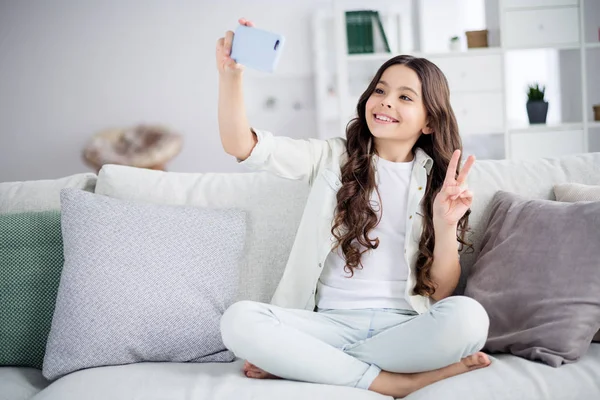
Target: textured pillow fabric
pixel 31 261
pixel 142 282
pixel 573 192
pixel 538 277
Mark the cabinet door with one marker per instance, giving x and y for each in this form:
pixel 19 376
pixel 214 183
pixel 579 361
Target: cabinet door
pixel 538 3
pixel 478 113
pixel 539 28
pixel 471 73
pixel 531 145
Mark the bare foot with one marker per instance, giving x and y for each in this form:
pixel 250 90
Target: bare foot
pixel 252 371
pixel 401 385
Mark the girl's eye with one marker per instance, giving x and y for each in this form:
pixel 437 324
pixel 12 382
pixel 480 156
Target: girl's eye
pixel 378 91
pixel 404 97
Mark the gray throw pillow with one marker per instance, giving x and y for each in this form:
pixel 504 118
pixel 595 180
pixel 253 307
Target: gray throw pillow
pixel 142 282
pixel 573 192
pixel 538 277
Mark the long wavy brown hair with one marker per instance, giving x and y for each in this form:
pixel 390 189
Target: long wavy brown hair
pixel 353 211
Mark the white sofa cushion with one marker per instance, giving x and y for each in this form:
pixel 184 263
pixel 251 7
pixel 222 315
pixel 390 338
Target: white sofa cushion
pixel 508 378
pixel 273 206
pixel 20 383
pixel 41 195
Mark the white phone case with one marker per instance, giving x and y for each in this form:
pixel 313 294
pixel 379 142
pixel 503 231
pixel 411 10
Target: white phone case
pixel 257 48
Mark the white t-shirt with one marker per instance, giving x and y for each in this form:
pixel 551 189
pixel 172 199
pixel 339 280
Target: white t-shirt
pixel 381 283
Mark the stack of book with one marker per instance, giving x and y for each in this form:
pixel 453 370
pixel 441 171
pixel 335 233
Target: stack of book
pixel 361 26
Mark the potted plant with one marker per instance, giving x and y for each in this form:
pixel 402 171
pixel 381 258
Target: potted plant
pixel 454 43
pixel 537 107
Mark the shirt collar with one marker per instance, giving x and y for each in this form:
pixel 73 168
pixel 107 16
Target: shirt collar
pixel 423 159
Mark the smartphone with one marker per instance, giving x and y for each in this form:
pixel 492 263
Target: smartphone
pixel 257 48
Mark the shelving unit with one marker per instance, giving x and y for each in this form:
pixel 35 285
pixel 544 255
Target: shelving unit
pixel 591 61
pixel 565 31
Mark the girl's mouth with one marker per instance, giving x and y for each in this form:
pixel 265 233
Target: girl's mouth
pixel 384 119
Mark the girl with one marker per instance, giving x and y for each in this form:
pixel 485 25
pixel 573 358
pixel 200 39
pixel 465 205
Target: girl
pixel 365 298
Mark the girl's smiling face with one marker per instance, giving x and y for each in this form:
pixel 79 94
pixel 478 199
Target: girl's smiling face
pixel 395 109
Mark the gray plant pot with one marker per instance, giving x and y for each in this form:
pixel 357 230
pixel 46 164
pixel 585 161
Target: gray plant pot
pixel 537 111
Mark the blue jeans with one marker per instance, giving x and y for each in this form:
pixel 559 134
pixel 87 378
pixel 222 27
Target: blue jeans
pixel 351 347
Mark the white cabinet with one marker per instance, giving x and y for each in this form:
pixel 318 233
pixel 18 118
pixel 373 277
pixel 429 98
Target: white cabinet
pixel 541 28
pixel 539 3
pixel 478 113
pixel 471 73
pixel 531 145
pixel 476 90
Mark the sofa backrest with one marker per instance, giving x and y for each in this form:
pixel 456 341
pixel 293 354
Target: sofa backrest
pixel 533 179
pixel 275 205
pixel 40 195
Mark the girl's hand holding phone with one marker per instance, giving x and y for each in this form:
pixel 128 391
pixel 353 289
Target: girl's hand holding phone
pixel 225 64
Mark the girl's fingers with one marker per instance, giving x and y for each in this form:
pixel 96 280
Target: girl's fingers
pixel 244 21
pixel 227 43
pixel 451 171
pixel 464 172
pixel 467 195
pixel 220 44
pixel 455 190
pixel 458 191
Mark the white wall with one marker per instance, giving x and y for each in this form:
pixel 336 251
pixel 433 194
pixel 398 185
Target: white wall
pixel 70 68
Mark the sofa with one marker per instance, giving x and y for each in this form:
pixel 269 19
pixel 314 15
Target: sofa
pixel 274 206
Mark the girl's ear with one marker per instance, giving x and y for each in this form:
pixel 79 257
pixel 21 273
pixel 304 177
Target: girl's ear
pixel 426 129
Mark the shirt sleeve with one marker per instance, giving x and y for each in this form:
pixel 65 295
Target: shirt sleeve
pixel 289 158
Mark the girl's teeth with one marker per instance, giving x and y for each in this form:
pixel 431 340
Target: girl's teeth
pixel 383 118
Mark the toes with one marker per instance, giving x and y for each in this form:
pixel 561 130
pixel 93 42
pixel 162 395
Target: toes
pixel 487 360
pixel 249 367
pixel 477 360
pixel 256 374
pixel 480 358
pixel 251 374
pixel 483 359
pixel 470 361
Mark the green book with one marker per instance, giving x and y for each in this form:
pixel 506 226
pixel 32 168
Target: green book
pixel 360 26
pixel 353 22
pixel 382 31
pixel 367 33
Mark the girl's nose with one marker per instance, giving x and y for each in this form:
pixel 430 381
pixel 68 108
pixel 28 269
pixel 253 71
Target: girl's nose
pixel 388 106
